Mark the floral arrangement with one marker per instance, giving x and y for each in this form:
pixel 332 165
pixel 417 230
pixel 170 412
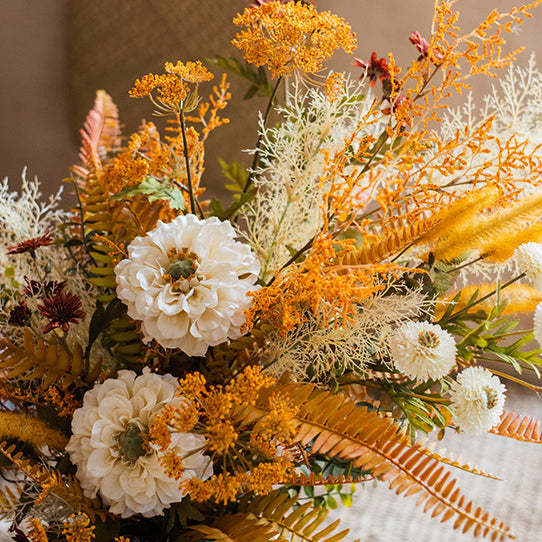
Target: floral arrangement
pixel 179 371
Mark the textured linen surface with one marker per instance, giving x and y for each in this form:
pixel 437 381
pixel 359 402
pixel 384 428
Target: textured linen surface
pixel 378 515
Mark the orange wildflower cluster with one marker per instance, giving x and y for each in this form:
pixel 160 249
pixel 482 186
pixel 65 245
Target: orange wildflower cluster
pixel 316 284
pixel 77 528
pixel 171 88
pixel 242 438
pixel 37 531
pixel 291 36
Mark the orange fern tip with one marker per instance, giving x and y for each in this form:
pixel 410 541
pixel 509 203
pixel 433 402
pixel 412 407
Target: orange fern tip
pixel 519 427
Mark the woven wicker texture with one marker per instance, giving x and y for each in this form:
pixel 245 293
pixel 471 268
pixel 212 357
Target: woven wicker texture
pixel 113 42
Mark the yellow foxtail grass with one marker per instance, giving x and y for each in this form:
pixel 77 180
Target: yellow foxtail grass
pixel 483 232
pixel 502 249
pixel 31 430
pixel 519 298
pixel 458 212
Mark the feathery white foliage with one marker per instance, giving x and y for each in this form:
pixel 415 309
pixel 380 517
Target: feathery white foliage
pixel 316 349
pixel 285 211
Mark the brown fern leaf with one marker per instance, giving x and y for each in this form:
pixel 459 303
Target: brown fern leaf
pixel 69 489
pixel 336 426
pixel 519 427
pixel 49 362
pixel 235 528
pixel 10 500
pixel 388 244
pixel 293 522
pixel 100 134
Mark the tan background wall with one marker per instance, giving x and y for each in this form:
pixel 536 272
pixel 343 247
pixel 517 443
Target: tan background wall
pixel 43 43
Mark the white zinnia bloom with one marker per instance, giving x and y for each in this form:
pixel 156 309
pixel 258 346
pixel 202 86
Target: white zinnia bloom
pixel 106 445
pixel 422 351
pixel 528 257
pixel 478 399
pixel 537 324
pixel 187 281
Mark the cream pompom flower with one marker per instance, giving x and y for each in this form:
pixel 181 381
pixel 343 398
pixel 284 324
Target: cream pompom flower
pixel 528 257
pixel 537 324
pixel 108 445
pixel 478 399
pixel 187 281
pixel 422 351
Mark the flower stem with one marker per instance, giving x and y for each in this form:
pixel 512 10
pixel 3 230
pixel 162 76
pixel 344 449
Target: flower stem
pixel 256 159
pixel 194 204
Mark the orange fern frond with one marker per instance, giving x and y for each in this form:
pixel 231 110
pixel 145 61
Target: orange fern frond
pixel 519 427
pixel 336 426
pixel 101 134
pixel 387 245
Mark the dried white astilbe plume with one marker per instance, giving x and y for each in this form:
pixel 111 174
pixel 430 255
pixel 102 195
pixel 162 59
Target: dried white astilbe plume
pixel 478 400
pixel 318 348
pixel 285 212
pixel 422 351
pixel 528 257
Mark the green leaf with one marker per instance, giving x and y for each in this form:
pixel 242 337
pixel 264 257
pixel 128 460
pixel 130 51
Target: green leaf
pixel 217 210
pixel 155 190
pixel 257 76
pixel 236 173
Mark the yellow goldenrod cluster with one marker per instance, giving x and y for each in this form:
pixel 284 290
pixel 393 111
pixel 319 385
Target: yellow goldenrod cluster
pixel 77 528
pixel 291 36
pixel 37 531
pixel 315 284
pixel 243 439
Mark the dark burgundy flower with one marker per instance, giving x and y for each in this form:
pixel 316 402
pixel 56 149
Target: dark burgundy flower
pixel 19 536
pixel 375 69
pixel 19 315
pixel 43 289
pixel 31 245
pixel 423 46
pixel 61 309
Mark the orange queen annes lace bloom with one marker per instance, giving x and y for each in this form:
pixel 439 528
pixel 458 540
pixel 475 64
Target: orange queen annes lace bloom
pixel 171 87
pixel 291 36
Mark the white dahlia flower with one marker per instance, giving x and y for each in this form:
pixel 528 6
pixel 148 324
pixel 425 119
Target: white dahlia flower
pixel 422 351
pixel 478 399
pixel 108 449
pixel 537 324
pixel 187 281
pixel 528 257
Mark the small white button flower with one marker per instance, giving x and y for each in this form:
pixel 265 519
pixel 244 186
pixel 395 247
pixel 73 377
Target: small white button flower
pixel 478 399
pixel 108 445
pixel 187 281
pixel 528 257
pixel 422 351
pixel 537 324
